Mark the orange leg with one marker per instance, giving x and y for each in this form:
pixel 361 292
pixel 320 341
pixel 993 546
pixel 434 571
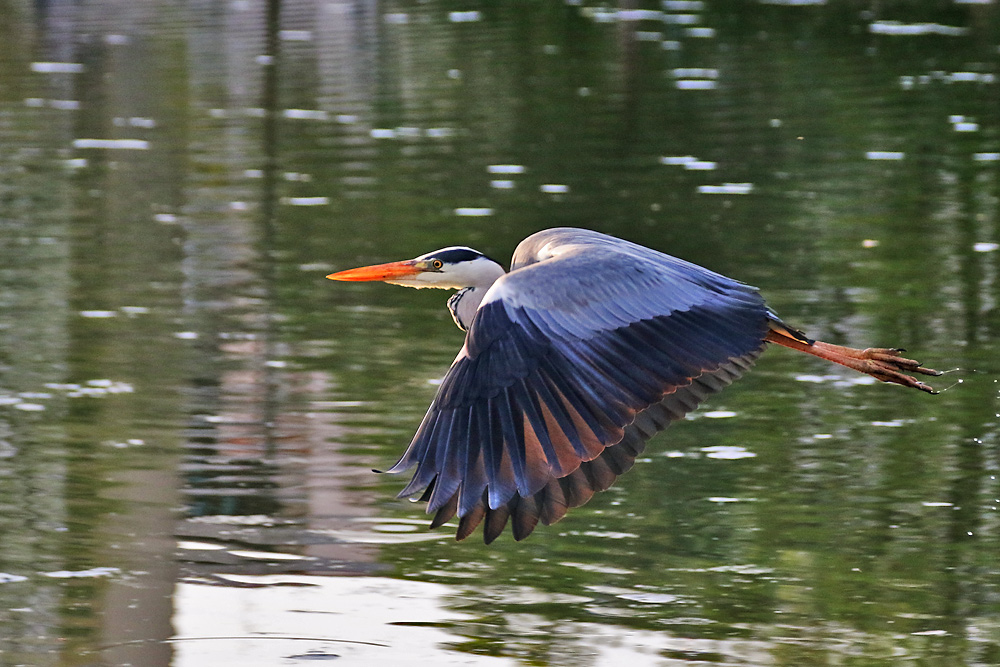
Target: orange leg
pixel 882 363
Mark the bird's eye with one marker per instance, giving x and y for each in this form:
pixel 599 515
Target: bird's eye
pixel 437 264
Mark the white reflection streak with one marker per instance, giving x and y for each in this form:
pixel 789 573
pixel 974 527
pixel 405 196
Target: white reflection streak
pixel 505 169
pixel 473 211
pixel 305 201
pixel 696 84
pixel 464 17
pixel 56 68
pixel 897 28
pixel 262 620
pixel 306 114
pixel 885 155
pixel 726 189
pixel 112 144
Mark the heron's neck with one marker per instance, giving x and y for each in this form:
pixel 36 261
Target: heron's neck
pixel 464 303
pixel 477 277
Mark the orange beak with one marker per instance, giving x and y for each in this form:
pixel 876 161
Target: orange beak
pixel 389 271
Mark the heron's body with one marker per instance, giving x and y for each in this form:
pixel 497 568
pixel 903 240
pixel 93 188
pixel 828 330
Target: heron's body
pixel 572 361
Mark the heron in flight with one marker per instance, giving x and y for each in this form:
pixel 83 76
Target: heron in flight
pixel 588 347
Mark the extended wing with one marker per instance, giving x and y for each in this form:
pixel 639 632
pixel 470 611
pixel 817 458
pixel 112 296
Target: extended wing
pixel 570 365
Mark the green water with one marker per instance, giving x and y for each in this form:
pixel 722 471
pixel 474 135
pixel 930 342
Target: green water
pixel 190 412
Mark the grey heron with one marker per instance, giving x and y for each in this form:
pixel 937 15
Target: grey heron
pixel 588 347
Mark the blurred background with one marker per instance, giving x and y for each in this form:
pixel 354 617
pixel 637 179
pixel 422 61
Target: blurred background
pixel 190 412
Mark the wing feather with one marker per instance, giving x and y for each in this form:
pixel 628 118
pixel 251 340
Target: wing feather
pixel 455 446
pixel 524 516
pixel 503 484
pixel 570 365
pixel 445 513
pixel 469 521
pixel 473 482
pixel 538 440
pixel 552 503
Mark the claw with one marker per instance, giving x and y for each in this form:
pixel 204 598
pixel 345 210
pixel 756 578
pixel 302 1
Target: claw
pixel 882 363
pixel 885 364
pixel 890 357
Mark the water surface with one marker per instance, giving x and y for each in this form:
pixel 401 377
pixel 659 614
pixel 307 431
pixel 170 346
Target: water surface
pixel 190 412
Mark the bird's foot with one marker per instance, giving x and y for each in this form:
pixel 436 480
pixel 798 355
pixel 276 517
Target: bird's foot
pixel 887 365
pixel 882 363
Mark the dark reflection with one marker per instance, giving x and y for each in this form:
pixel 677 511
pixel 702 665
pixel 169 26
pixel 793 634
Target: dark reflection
pixel 232 465
pixel 250 444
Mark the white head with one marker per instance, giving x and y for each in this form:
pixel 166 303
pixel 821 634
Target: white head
pixel 456 267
